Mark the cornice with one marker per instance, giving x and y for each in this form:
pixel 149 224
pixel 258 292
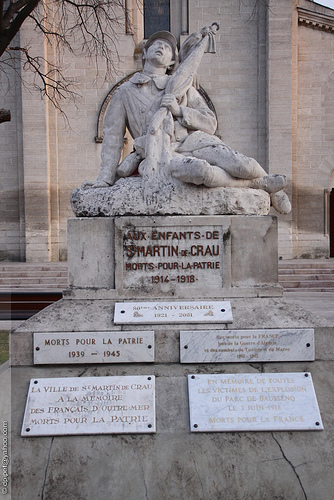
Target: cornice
pixel 315 20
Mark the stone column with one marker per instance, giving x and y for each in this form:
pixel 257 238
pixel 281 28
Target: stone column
pixel 280 105
pixel 35 159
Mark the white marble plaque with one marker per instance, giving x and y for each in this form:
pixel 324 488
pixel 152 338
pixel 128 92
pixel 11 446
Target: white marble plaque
pixel 94 347
pixel 237 346
pixel 90 405
pixel 173 312
pixel 162 257
pixel 253 402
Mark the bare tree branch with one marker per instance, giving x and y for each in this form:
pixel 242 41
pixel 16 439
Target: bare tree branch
pixel 14 8
pixel 49 79
pixel 83 27
pixel 11 25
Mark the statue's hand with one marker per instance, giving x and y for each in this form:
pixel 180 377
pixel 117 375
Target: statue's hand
pixel 205 31
pixel 94 184
pixel 209 29
pixel 169 101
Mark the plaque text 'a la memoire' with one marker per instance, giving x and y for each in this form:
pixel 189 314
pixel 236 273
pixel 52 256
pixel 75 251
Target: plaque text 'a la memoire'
pixel 169 257
pixel 237 346
pixel 90 405
pixel 94 347
pixel 213 311
pixel 253 402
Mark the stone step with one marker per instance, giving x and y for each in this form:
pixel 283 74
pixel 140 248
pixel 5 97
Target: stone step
pixel 17 280
pixel 308 284
pixel 15 276
pixel 33 287
pixel 306 264
pixel 26 273
pixel 33 265
pixel 306 277
pixel 304 271
pixel 307 291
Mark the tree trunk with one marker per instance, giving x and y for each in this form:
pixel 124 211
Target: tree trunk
pixel 4 115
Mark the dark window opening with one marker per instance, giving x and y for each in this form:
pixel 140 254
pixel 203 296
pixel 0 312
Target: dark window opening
pixel 156 16
pixel 331 224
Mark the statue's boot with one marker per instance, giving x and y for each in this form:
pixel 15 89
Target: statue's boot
pixel 200 172
pixel 280 202
pixel 270 183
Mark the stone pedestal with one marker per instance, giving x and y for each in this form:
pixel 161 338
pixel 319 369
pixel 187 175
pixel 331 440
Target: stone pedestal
pixel 117 257
pixel 154 258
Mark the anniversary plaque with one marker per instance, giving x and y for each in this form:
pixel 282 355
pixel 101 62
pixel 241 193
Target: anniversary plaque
pixel 178 255
pixel 90 405
pixel 229 346
pixel 253 402
pixel 173 312
pixel 94 347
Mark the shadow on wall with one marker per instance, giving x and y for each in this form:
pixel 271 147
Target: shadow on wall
pixel 313 222
pixel 311 210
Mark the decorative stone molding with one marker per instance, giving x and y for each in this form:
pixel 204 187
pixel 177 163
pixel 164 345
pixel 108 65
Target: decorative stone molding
pixel 315 20
pixel 104 107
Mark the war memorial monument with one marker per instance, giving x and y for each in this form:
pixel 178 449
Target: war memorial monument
pixel 173 368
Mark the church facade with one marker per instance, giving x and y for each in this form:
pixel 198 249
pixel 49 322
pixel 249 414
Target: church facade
pixel 271 83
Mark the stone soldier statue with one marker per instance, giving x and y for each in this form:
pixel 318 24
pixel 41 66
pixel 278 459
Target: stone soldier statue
pixel 193 153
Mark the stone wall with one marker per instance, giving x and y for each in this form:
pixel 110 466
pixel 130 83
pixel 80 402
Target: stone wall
pixel 270 82
pixel 279 103
pixel 12 245
pixel 231 77
pixel 314 140
pixel 66 152
pixel 50 154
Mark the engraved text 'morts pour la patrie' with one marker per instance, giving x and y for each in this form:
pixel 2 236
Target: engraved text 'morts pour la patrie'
pixel 90 405
pixel 94 347
pixel 172 257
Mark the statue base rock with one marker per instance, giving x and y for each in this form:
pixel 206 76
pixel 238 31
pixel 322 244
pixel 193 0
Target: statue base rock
pixel 128 196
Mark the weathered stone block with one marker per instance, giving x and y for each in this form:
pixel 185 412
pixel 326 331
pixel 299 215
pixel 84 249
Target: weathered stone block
pixel 91 253
pixel 173 256
pixel 127 196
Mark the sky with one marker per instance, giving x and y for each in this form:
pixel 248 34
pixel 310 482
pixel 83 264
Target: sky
pixel 327 3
